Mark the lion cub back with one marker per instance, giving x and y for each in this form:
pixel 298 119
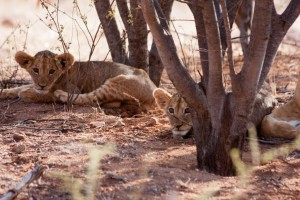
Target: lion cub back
pixel 105 82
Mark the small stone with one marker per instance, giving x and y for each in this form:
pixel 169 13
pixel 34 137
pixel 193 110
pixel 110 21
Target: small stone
pixel 19 148
pixel 152 121
pixel 18 137
pixel 97 124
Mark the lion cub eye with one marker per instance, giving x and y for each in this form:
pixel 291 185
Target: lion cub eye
pixel 187 111
pixel 171 110
pixel 35 70
pixel 51 71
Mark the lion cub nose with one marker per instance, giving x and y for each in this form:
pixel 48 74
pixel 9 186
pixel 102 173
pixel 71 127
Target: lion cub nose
pixel 178 126
pixel 42 86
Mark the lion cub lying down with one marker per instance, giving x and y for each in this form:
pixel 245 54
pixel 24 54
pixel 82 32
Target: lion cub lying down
pixel 102 83
pixel 180 118
pixel 284 121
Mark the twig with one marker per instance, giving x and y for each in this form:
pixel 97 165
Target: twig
pixel 228 39
pixel 271 141
pixel 50 129
pixel 35 174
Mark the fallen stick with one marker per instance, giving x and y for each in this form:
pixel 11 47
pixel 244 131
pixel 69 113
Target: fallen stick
pixel 35 174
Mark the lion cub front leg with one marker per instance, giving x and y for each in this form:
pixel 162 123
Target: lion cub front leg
pixel 13 93
pixel 31 95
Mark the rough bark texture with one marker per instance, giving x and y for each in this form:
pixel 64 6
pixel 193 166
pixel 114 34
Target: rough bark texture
pixel 155 65
pixel 137 38
pixel 201 36
pixel 111 31
pixel 232 7
pixel 136 29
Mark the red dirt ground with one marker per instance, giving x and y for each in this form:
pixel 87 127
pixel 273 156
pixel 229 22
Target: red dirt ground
pixel 147 162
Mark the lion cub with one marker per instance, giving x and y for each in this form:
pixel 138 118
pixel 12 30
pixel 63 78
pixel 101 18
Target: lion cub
pixel 54 76
pixel 177 111
pixel 180 117
pixel 284 121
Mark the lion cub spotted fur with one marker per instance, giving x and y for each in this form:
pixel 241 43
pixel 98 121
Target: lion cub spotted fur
pixel 54 76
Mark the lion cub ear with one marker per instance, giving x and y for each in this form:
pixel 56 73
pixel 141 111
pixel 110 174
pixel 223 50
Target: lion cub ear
pixel 162 98
pixel 24 59
pixel 64 60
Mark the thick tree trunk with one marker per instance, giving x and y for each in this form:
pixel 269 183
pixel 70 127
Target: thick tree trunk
pixel 111 31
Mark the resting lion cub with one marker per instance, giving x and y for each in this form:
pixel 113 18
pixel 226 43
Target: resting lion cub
pixel 284 121
pixel 180 118
pixel 112 82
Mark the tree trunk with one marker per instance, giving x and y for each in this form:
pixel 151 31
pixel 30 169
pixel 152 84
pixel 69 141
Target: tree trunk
pixel 111 31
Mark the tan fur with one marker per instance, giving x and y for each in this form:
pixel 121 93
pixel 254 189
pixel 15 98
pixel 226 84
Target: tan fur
pixel 177 111
pixel 181 120
pixel 284 121
pixel 104 82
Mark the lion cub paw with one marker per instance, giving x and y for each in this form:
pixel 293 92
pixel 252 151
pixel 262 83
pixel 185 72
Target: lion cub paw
pixel 8 95
pixel 61 95
pixel 28 95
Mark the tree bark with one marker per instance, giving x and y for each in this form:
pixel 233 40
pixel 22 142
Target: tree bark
pixel 137 38
pixel 111 31
pixel 155 65
pixel 196 9
pixel 136 29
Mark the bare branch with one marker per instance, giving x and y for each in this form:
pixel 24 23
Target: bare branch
pixel 111 31
pixel 228 39
pixel 280 26
pixel 215 90
pixel 137 37
pixel 201 35
pixel 167 51
pixel 259 39
pixel 290 14
pixel 35 174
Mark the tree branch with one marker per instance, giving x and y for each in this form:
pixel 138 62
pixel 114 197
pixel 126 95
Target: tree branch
pixel 111 31
pixel 259 39
pixel 215 90
pixel 167 51
pixel 155 65
pixel 280 26
pixel 228 40
pixel 137 37
pixel 201 35
pixel 124 13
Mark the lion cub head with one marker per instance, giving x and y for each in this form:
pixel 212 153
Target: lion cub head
pixel 45 67
pixel 177 111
